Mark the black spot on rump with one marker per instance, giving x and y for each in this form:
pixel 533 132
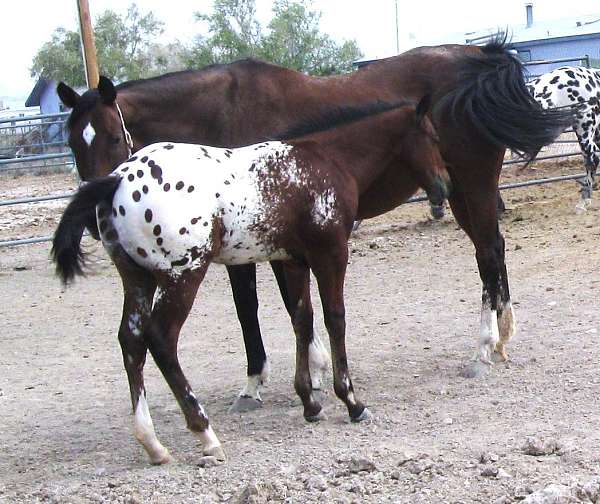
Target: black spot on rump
pixel 190 188
pixel 179 185
pixel 156 230
pixel 196 252
pixel 145 189
pixel 140 173
pixel 136 196
pixel 124 169
pixel 217 195
pixel 555 79
pixel 144 159
pixel 156 172
pixel 121 210
pixel 159 241
pixel 168 147
pixel 130 177
pixel 167 187
pixel 142 252
pixel 148 215
pixel 182 231
pixel 133 158
pixel 181 262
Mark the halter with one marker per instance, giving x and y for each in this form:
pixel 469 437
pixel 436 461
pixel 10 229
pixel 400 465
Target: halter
pixel 126 133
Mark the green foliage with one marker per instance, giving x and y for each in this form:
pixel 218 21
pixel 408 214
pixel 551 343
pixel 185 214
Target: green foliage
pixel 124 46
pixel 292 39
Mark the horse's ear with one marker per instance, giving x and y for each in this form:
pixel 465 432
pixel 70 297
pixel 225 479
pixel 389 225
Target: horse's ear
pixel 67 95
pixel 423 107
pixel 108 93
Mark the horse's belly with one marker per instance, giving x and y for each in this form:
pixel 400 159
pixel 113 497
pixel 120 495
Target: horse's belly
pixel 241 244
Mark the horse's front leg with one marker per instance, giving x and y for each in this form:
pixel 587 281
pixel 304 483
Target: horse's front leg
pixel 318 357
pixel 477 215
pixel 138 288
pixel 297 278
pixel 243 287
pixel 329 267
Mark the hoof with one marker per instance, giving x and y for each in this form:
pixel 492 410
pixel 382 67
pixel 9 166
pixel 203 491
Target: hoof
pixel 215 452
pixel 315 417
pixel 365 415
pixel 243 404
pixel 475 369
pixel 499 356
pixel 438 211
pixel 161 459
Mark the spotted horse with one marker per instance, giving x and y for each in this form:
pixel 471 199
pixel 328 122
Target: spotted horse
pixel 576 87
pixel 172 209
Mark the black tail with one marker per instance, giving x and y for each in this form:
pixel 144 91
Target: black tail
pixel 492 98
pixel 66 245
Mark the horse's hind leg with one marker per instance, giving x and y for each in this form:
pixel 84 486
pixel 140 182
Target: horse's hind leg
pixel 243 286
pixel 588 136
pixel 318 357
pixel 138 287
pixel 477 215
pixel 172 305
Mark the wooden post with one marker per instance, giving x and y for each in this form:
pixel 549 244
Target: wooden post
pixel 88 46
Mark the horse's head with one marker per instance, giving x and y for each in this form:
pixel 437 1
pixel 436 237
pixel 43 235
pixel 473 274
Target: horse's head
pixel 421 146
pixel 96 134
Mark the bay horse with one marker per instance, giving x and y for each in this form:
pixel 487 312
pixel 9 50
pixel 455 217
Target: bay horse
pixel 579 88
pixel 172 209
pixel 481 106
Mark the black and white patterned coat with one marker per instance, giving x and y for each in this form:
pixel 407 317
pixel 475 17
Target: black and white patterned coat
pixel 577 87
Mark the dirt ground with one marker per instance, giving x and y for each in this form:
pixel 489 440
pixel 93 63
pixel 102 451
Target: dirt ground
pixel 413 300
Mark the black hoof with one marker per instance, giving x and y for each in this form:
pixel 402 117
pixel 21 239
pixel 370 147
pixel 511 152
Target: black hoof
pixel 243 404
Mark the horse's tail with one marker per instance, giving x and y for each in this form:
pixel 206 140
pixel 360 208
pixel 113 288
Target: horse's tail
pixel 66 245
pixel 491 97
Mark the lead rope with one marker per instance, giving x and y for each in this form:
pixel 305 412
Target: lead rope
pixel 126 133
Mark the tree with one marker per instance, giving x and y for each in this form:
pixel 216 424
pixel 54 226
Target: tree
pixel 124 45
pixel 292 38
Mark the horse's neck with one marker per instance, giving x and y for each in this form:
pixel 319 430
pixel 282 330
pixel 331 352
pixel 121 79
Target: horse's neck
pixel 363 155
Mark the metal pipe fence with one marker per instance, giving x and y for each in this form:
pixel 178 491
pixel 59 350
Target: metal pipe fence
pixel 61 119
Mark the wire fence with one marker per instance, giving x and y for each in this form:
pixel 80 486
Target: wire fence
pixel 47 136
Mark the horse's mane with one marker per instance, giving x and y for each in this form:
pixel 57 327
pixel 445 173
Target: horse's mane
pixel 90 98
pixel 197 72
pixel 336 117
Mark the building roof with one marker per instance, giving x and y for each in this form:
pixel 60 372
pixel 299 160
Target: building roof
pixel 560 28
pixel 517 33
pixel 33 100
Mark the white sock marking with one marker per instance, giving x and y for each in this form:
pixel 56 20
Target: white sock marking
pixel 488 333
pixel 209 439
pixel 144 432
pixel 255 382
pixel 318 359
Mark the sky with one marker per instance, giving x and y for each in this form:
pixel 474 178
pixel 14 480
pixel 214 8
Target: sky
pixel 28 24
